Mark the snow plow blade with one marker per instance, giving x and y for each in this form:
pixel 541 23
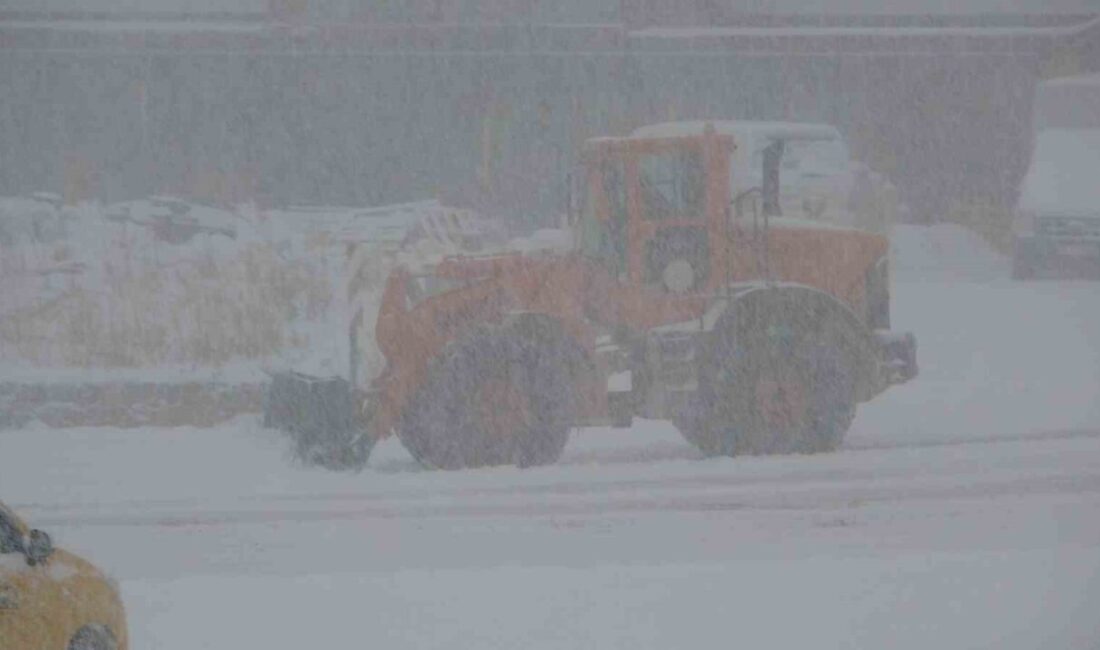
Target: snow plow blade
pixel 322 416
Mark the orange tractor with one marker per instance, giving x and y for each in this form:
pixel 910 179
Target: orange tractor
pixel 751 332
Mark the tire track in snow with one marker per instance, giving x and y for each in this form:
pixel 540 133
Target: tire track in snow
pixel 741 472
pixel 839 499
pixel 931 441
pixel 1023 473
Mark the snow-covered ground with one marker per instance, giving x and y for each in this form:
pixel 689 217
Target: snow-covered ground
pixel 963 512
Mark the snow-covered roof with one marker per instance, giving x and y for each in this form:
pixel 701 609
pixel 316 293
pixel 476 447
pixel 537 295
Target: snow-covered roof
pixel 136 6
pixel 916 7
pixel 741 128
pixel 782 7
pixel 1062 178
pixel 872 30
pixel 148 26
pixel 1080 80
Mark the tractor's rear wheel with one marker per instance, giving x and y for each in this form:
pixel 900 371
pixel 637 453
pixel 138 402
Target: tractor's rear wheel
pixel 500 397
pixel 777 378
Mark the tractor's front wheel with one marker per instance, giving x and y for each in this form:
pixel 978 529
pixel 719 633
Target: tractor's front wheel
pixel 500 397
pixel 93 637
pixel 777 378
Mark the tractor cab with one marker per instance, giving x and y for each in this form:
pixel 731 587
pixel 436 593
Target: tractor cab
pixel 656 213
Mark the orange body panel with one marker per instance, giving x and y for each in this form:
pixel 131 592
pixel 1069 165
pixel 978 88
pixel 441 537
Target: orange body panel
pixel 587 300
pixel 833 260
pixel 588 296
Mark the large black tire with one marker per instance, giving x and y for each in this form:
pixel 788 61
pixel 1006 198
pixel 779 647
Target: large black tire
pixel 502 396
pixel 778 376
pixel 686 245
pixel 93 637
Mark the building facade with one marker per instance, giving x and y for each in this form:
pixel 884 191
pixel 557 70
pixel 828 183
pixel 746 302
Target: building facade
pixel 344 102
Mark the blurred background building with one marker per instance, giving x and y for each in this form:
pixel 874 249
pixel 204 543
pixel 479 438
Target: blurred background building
pixel 487 101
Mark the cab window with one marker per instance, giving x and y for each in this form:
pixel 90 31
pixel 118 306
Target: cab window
pixel 672 184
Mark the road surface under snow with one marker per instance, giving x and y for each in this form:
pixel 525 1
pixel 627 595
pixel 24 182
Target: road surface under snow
pixel 962 512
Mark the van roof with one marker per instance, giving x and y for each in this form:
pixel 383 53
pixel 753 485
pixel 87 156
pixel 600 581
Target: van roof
pixel 741 128
pixel 1079 80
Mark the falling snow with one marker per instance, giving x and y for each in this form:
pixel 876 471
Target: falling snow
pixel 530 324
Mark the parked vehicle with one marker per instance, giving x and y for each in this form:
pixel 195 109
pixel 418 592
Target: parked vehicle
pixel 51 599
pixel 1057 224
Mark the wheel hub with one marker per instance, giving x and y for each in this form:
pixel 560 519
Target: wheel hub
pixel 781 403
pixel 502 408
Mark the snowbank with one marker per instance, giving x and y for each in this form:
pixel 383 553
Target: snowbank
pixel 945 253
pixel 162 282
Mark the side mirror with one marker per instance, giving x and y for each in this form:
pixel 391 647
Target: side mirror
pixel 39 547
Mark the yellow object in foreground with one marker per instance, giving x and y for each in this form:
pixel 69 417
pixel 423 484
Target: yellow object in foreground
pixel 51 599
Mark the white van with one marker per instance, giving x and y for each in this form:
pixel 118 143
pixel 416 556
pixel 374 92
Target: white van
pixel 1057 224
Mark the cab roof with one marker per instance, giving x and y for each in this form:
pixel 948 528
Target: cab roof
pixel 741 129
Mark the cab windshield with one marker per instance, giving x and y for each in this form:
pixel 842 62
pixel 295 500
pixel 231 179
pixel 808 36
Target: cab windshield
pixel 672 184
